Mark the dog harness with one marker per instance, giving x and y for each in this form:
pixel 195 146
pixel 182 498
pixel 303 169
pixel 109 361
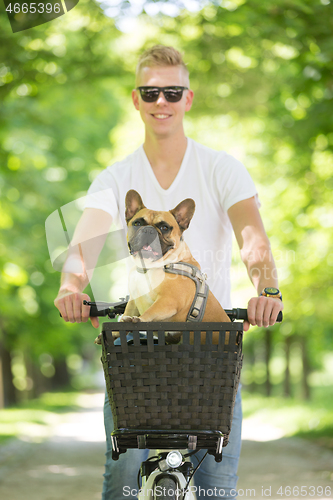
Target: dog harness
pixel 197 309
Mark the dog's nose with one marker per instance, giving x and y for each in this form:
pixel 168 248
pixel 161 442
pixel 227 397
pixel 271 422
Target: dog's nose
pixel 147 235
pixel 148 230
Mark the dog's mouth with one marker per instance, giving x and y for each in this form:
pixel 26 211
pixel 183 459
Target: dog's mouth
pixel 147 252
pixel 147 244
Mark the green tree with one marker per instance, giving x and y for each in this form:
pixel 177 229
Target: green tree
pixel 262 76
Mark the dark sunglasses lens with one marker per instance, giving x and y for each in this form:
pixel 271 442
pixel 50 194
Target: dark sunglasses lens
pixel 149 95
pixel 173 95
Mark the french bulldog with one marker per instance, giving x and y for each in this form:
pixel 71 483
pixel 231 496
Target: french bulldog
pixel 155 240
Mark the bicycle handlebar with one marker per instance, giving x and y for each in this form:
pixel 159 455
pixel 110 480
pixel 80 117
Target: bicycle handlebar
pixel 111 309
pixel 114 309
pixel 242 314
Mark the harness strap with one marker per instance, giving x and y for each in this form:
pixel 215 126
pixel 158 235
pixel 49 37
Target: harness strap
pixel 198 307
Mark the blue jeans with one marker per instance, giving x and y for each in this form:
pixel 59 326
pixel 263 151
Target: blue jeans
pixel 219 477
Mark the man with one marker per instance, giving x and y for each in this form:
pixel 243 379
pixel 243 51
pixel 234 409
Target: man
pixel 166 169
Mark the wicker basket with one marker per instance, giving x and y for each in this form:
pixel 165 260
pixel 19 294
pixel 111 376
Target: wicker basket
pixel 177 386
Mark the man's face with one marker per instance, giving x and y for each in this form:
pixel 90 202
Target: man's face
pixel 162 118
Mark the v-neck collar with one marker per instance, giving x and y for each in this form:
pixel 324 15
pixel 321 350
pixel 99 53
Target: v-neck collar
pixel 176 180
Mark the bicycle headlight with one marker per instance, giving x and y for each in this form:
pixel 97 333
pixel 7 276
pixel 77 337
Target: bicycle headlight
pixel 174 459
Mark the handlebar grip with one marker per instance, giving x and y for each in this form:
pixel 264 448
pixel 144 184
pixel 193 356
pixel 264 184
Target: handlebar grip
pixel 242 314
pixel 95 312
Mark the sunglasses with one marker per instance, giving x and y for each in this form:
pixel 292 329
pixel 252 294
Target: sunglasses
pixel 171 94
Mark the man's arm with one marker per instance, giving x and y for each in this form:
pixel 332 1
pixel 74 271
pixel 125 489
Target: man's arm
pixel 91 230
pixel 256 254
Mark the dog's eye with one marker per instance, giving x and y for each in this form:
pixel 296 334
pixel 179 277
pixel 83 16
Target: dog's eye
pixel 137 223
pixel 164 228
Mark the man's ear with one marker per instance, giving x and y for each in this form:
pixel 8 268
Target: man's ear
pixel 135 99
pixel 133 203
pixel 183 213
pixel 189 100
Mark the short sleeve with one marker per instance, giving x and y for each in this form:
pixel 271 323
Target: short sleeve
pixel 233 182
pixel 103 194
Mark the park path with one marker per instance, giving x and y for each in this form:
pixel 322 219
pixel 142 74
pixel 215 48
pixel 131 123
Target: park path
pixel 67 463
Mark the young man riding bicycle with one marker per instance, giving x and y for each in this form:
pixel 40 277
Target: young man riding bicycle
pixel 167 168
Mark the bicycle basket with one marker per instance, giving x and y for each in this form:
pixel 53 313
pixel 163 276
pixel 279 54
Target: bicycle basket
pixel 182 386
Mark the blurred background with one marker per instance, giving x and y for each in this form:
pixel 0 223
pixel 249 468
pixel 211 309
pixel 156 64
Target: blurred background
pixel 262 74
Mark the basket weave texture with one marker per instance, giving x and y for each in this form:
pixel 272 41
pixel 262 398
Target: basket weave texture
pixel 185 386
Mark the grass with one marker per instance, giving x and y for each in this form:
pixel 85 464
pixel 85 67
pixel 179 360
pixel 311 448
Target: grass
pixel 311 420
pixel 35 416
pixel 54 401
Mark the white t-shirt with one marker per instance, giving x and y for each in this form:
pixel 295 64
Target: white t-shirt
pixel 213 179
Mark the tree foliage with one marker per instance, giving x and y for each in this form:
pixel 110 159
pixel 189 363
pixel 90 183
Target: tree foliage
pixel 262 76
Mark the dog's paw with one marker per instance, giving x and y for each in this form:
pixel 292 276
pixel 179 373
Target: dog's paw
pixel 126 319
pixel 130 319
pixel 136 319
pixel 98 340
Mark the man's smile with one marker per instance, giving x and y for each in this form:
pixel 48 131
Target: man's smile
pixel 160 116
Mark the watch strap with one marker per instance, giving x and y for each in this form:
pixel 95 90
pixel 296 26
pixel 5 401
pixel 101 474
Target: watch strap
pixel 277 295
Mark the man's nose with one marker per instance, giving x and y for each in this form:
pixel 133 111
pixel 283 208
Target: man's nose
pixel 161 99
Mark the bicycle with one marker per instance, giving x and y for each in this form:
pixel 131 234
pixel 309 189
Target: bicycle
pixel 152 401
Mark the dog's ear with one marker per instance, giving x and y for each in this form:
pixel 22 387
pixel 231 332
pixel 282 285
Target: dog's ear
pixel 133 203
pixel 183 213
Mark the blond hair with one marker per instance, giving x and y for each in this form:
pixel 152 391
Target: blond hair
pixel 160 55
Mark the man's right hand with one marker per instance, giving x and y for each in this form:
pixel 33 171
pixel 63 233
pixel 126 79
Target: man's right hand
pixel 93 226
pixel 70 305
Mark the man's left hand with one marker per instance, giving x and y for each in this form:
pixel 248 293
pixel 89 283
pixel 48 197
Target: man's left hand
pixel 262 311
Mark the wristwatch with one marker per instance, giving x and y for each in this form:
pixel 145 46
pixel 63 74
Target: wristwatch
pixel 272 292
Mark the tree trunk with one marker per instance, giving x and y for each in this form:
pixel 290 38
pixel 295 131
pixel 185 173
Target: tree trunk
pixel 306 369
pixel 31 391
pixel 2 396
pixel 268 353
pixel 287 390
pixel 8 390
pixel 61 377
pixel 41 383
